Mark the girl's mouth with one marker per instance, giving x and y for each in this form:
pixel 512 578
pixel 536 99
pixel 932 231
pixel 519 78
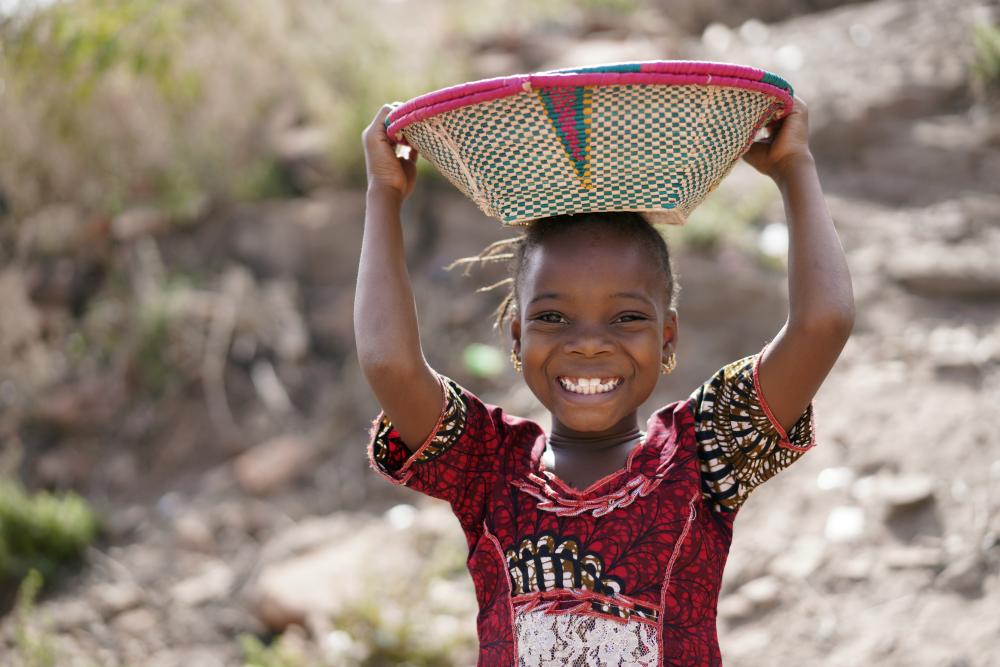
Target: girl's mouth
pixel 589 386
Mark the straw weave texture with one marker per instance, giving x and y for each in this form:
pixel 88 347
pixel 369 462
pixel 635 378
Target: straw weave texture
pixel 654 148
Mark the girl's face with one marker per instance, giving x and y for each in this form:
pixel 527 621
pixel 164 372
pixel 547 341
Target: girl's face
pixel 592 306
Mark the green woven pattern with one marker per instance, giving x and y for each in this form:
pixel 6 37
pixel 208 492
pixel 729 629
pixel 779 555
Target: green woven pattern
pixel 655 148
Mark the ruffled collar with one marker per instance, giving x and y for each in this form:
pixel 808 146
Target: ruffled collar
pixel 644 470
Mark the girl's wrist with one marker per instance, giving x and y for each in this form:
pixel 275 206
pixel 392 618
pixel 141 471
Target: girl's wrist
pixel 788 167
pixel 383 194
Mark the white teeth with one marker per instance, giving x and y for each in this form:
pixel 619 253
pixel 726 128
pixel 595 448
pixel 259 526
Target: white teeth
pixel 589 385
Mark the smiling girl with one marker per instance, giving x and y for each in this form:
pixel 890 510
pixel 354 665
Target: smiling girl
pixel 604 541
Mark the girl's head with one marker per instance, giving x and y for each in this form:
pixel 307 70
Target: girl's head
pixel 592 297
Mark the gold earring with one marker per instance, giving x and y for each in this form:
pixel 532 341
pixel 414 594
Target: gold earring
pixel 669 365
pixel 514 360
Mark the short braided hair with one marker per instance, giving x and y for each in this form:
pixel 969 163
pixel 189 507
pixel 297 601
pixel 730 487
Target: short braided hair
pixel 630 224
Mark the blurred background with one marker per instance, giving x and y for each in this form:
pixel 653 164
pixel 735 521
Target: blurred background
pixel 183 425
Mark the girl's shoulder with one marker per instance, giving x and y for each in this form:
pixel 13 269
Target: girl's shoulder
pixel 477 410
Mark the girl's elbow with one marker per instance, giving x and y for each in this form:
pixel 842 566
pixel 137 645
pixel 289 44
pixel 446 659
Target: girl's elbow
pixel 381 367
pixel 834 325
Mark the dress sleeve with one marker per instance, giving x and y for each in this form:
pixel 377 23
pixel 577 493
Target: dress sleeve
pixel 458 462
pixel 740 443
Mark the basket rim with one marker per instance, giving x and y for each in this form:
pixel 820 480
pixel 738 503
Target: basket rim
pixel 645 72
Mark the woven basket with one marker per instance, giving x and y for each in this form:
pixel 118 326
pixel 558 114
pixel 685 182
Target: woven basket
pixel 654 136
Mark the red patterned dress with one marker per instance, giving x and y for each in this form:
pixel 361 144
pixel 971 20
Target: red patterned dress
pixel 624 572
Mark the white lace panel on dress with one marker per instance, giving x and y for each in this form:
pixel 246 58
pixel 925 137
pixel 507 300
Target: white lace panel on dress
pixel 577 640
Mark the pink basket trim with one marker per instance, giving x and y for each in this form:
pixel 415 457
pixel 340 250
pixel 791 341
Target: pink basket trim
pixel 675 72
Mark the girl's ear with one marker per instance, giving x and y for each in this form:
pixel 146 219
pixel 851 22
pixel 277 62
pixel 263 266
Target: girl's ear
pixel 515 333
pixel 670 330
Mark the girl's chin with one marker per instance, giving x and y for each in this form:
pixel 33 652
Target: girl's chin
pixel 593 421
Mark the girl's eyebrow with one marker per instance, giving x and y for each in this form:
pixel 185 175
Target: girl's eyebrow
pixel 546 295
pixel 633 295
pixel 624 295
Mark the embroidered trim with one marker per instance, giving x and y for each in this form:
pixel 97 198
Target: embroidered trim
pixel 510 594
pixel 553 500
pixel 639 486
pixel 384 440
pixel 786 441
pixel 692 513
pixel 582 602
pixel 567 489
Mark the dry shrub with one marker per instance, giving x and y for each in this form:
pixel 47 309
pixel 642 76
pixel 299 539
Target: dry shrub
pixel 112 102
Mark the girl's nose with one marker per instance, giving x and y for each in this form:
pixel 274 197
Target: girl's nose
pixel 589 341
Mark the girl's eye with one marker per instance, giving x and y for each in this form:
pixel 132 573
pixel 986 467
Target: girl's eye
pixel 553 318
pixel 631 317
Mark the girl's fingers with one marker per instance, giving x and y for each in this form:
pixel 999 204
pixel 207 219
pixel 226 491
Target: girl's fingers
pixel 377 127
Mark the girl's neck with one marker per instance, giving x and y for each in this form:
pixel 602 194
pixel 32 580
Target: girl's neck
pixel 563 439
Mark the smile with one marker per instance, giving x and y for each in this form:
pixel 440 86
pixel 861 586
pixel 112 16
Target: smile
pixel 589 385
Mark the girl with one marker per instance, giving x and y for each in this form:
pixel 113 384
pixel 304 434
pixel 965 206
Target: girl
pixel 598 543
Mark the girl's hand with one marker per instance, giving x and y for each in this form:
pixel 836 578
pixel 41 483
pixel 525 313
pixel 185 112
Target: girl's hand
pixel 385 170
pixel 791 143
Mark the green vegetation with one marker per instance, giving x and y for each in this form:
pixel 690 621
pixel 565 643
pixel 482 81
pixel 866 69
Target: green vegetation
pixel 156 373
pixel 986 63
pixel 32 647
pixel 397 639
pixel 75 74
pixel 41 531
pixel 611 6
pixel 114 103
pixel 277 654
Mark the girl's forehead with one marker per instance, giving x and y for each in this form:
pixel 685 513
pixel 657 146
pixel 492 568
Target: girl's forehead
pixel 585 250
pixel 588 263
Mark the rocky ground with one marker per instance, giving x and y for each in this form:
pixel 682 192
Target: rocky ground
pixel 248 507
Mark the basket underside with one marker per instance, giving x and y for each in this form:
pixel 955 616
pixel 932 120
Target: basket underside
pixel 659 149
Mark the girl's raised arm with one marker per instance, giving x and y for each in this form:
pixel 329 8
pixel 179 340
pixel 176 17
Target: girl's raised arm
pixel 820 295
pixel 385 315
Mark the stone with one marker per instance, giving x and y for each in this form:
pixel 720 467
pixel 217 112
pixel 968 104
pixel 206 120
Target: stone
pixel 306 579
pixel 857 568
pixel 401 516
pixel 735 608
pixel 340 648
pixel 300 587
pixel 963 575
pixel 907 491
pixel 913 557
pixel 213 582
pixel 72 614
pixel 271 465
pixel 114 598
pixel 894 491
pixel 193 533
pixel 845 523
pixel 763 592
pixel 835 479
pixel 136 622
pixel 961 271
pixel 959 347
pixel 139 221
pixel 803 558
